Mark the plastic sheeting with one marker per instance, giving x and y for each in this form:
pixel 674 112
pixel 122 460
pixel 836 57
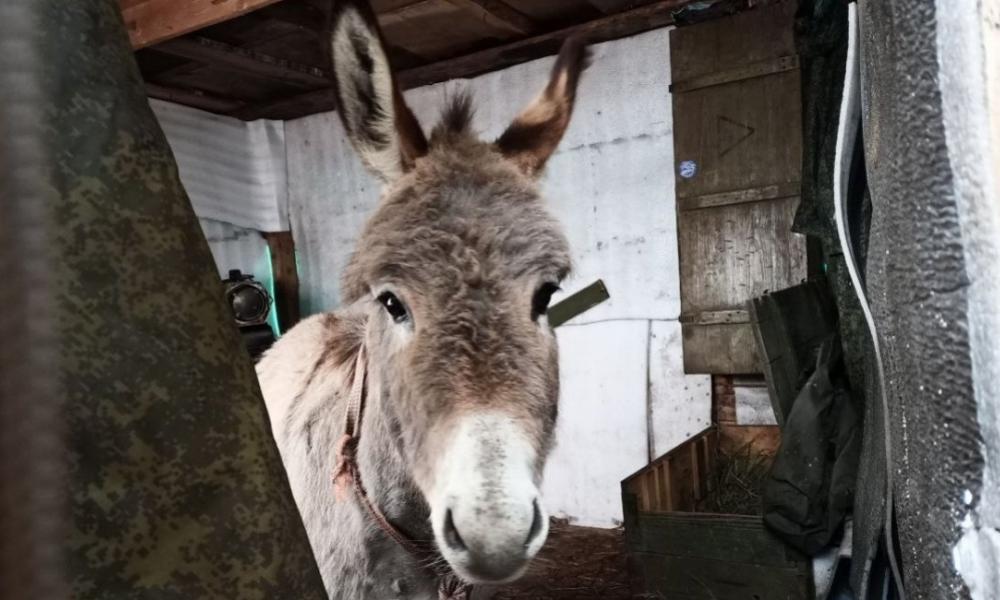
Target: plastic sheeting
pixel 233 171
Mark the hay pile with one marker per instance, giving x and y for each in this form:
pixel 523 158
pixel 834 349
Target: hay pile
pixel 577 563
pixel 737 482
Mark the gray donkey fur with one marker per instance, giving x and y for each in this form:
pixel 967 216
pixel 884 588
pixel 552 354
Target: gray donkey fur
pixel 463 387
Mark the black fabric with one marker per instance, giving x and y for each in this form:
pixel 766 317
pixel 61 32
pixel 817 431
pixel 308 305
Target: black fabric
pixel 790 326
pixel 821 38
pixel 811 485
pixel 821 41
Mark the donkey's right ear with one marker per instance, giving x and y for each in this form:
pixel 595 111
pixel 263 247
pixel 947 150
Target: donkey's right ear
pixel 381 126
pixel 533 136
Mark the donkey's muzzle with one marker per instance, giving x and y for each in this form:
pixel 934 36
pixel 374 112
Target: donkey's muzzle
pixel 497 549
pixel 485 508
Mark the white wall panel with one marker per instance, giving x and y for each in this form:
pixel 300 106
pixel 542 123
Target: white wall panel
pixel 616 208
pixel 236 247
pixel 680 406
pixel 601 433
pixel 330 195
pixel 632 73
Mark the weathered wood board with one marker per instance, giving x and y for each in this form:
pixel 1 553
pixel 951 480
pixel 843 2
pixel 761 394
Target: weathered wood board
pixel 700 578
pixel 152 21
pixel 677 480
pixel 735 438
pixel 737 147
pixel 281 245
pixel 789 326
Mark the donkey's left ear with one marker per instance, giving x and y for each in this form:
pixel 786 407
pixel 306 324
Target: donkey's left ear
pixel 381 126
pixel 535 133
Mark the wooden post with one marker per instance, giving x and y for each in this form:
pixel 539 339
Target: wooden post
pixel 286 277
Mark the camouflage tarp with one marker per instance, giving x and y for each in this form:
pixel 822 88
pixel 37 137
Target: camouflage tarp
pixel 177 489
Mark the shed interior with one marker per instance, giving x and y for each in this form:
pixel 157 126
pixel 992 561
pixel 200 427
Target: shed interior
pixel 266 59
pixel 740 160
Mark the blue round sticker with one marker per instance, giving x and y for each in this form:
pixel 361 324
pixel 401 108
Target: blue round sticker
pixel 688 169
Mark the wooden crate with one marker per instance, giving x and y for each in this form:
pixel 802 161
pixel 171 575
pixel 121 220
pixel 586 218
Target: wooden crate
pixel 678 554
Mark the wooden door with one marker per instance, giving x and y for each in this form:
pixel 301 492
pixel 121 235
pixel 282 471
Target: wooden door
pixel 737 152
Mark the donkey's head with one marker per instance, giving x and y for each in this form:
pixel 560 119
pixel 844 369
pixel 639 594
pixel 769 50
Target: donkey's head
pixel 456 269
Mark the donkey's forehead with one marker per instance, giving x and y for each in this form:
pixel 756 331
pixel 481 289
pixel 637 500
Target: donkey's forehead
pixel 465 224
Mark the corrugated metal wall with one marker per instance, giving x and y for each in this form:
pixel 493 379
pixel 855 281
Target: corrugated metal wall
pixel 624 395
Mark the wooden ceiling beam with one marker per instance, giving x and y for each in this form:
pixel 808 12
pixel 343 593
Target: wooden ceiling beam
pixel 502 12
pixel 186 68
pixel 298 18
pixel 194 98
pixel 299 105
pixel 305 17
pixel 211 52
pixel 152 21
pixel 652 16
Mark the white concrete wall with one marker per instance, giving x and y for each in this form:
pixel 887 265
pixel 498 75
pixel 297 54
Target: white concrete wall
pixel 624 395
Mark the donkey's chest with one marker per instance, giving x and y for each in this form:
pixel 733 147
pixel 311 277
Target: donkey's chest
pixel 356 559
pixel 371 570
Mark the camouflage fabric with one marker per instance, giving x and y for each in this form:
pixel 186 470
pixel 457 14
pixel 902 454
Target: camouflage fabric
pixel 177 489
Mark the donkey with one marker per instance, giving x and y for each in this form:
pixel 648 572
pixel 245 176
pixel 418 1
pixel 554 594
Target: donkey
pixel 443 340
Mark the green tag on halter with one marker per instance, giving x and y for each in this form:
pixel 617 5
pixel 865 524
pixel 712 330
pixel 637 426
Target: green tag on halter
pixel 578 303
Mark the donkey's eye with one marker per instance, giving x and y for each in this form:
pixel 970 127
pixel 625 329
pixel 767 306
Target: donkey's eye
pixel 540 303
pixel 393 306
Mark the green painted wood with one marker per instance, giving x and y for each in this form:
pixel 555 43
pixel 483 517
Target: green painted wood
pixel 675 578
pixel 734 538
pixel 578 303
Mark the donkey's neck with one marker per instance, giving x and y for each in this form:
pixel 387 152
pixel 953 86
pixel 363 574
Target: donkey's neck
pixel 384 471
pixel 393 571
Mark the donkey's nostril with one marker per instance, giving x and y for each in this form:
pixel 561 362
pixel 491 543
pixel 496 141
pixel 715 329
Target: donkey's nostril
pixel 451 536
pixel 536 524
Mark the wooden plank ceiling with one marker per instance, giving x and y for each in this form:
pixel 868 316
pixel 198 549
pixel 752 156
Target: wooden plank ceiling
pixel 266 58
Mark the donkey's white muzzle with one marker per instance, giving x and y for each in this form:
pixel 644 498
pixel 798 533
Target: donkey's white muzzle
pixel 485 507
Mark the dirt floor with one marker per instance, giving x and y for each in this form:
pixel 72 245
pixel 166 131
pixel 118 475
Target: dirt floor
pixel 577 562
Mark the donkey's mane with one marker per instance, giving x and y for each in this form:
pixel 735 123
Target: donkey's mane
pixel 456 117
